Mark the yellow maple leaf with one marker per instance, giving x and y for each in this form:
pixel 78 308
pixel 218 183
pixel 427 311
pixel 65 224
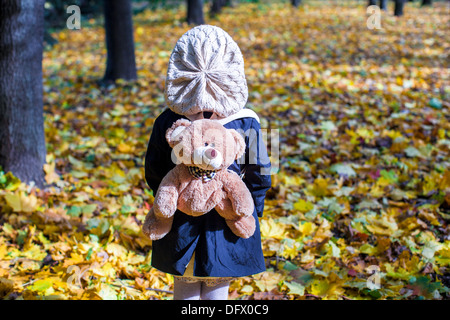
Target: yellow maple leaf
pixel 21 202
pixel 107 292
pixel 116 250
pixel 320 187
pixel 13 200
pixel 3 251
pixel 331 287
pixel 44 286
pixel 306 228
pixel 377 190
pixel 271 229
pixel 292 180
pixel 445 180
pixel 291 250
pixel 50 174
pixel 49 169
pixel 125 147
pixel 324 231
pixel 319 287
pixel 384 225
pixel 268 280
pixel 307 257
pixel 303 206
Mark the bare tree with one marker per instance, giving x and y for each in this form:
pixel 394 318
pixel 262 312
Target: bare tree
pixel 121 61
pixel 398 9
pixel 383 4
pixel 22 139
pixel 216 6
pixel 296 3
pixel 195 12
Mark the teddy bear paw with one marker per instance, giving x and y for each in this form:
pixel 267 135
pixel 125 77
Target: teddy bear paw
pixel 243 227
pixel 156 227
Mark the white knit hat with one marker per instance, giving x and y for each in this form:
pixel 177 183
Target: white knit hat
pixel 206 73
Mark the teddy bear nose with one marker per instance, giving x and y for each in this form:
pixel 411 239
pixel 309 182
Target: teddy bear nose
pixel 211 153
pixel 207 114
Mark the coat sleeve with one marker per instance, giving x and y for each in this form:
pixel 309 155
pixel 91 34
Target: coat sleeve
pixel 257 166
pixel 158 157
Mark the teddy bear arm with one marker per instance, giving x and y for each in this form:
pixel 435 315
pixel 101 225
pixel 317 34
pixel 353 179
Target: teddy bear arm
pixel 166 198
pixel 238 194
pixel 156 227
pixel 225 209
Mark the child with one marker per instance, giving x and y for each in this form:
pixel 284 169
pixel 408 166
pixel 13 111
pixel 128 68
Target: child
pixel 205 79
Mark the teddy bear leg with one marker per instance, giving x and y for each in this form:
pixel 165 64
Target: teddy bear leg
pixel 156 227
pixel 166 200
pixel 243 227
pixel 244 206
pixel 225 209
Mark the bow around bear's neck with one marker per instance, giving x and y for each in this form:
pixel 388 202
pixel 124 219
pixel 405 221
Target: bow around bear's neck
pixel 198 173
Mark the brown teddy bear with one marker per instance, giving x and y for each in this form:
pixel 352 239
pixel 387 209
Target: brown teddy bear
pixel 200 182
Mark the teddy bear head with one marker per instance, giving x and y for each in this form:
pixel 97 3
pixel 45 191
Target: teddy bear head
pixel 205 144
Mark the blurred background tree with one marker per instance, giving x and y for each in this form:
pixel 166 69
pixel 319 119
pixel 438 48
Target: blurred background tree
pixel 296 3
pixel 121 61
pixel 216 6
pixel 398 9
pixel 22 141
pixel 195 12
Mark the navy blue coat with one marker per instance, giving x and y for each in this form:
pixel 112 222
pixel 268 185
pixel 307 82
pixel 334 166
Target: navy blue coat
pixel 218 252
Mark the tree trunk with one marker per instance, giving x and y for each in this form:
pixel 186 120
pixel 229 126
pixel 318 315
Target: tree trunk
pixel 121 61
pixel 398 10
pixel 195 12
pixel 372 3
pixel 22 139
pixel 383 5
pixel 296 3
pixel 217 6
pixel 426 3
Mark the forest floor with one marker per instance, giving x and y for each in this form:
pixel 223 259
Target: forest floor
pixel 360 203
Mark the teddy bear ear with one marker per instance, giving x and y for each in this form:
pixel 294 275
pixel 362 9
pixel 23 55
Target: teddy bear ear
pixel 173 134
pixel 240 143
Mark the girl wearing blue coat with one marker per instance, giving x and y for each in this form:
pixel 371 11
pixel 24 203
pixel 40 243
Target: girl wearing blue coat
pixel 205 79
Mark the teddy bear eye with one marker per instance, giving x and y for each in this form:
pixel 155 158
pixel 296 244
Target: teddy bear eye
pixel 206 144
pixel 212 145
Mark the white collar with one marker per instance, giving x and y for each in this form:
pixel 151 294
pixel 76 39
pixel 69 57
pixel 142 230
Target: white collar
pixel 243 113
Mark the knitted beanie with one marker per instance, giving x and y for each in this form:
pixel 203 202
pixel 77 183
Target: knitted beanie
pixel 206 73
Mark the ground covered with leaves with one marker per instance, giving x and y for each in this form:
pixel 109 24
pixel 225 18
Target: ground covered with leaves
pixel 360 205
